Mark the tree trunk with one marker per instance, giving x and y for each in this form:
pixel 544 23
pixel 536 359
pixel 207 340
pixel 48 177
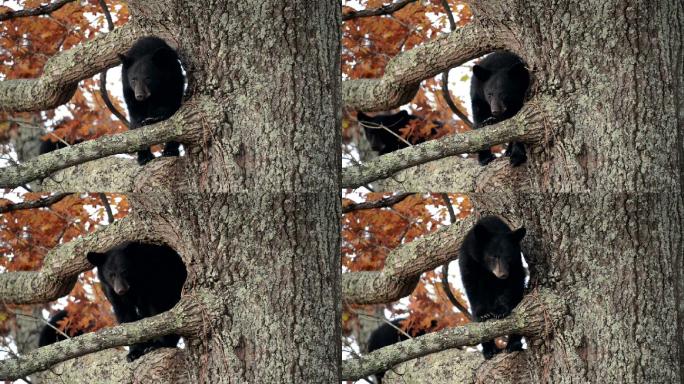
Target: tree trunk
pixel 258 220
pixel 605 214
pixel 254 210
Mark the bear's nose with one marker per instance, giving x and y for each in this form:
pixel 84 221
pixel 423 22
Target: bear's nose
pixel 140 97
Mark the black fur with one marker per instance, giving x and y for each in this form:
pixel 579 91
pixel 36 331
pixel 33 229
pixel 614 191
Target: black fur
pixel 497 92
pixel 48 335
pixel 47 146
pixel 491 248
pixel 141 280
pixel 386 335
pixel 152 87
pixel 382 141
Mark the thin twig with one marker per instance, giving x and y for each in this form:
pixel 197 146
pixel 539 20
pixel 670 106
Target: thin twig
pixel 445 268
pixel 384 10
pixel 108 208
pixel 42 10
pixel 103 74
pixel 386 202
pixel 445 74
pixel 45 202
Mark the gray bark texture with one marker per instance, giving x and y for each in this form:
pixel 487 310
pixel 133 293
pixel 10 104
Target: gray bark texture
pixel 253 207
pixel 601 196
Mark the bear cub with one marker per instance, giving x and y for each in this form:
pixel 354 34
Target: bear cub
pixel 384 142
pixel 141 280
pixel 152 87
pixel 49 335
pixel 380 140
pixel 386 334
pixel 497 92
pixel 493 274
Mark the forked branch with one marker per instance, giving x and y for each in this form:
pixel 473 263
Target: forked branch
pixel 526 126
pixel 63 264
pixel 42 10
pixel 185 319
pixel 405 71
pixel 63 72
pixel 404 266
pixel 535 317
pixel 130 141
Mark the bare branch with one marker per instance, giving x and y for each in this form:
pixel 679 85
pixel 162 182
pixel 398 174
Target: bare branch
pixel 185 319
pixel 134 140
pixel 386 202
pixel 526 126
pixel 534 317
pixel 450 102
pixel 44 202
pixel 63 72
pixel 63 264
pixel 404 265
pixel 42 10
pixel 445 268
pixel 380 11
pixel 103 74
pixel 445 75
pixel 405 71
pixel 108 208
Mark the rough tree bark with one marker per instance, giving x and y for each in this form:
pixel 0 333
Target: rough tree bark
pixel 601 195
pixel 253 208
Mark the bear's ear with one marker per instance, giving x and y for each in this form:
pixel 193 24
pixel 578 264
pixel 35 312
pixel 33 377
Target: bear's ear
pixel 96 258
pixel 360 116
pixel 164 56
pixel 481 73
pixel 124 60
pixel 518 234
pixel 403 114
pixel 481 232
pixel 517 70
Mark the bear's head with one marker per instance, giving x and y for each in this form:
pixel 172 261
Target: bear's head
pixel 504 89
pixel 500 250
pixel 114 269
pixel 147 75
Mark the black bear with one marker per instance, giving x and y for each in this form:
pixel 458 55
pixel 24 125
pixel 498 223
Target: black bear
pixel 380 140
pixel 384 142
pixel 493 274
pixel 386 334
pixel 152 87
pixel 47 146
pixel 141 280
pixel 49 335
pixel 497 92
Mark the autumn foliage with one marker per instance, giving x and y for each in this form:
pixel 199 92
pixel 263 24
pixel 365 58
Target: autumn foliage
pixel 26 236
pixel 368 235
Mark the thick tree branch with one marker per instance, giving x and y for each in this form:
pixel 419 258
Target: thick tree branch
pixel 42 10
pixel 63 264
pixel 112 174
pixel 44 202
pixel 63 72
pixel 130 141
pixel 380 11
pixel 185 319
pixel 535 317
pixel 405 71
pixel 526 126
pixel 386 202
pixel 404 265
